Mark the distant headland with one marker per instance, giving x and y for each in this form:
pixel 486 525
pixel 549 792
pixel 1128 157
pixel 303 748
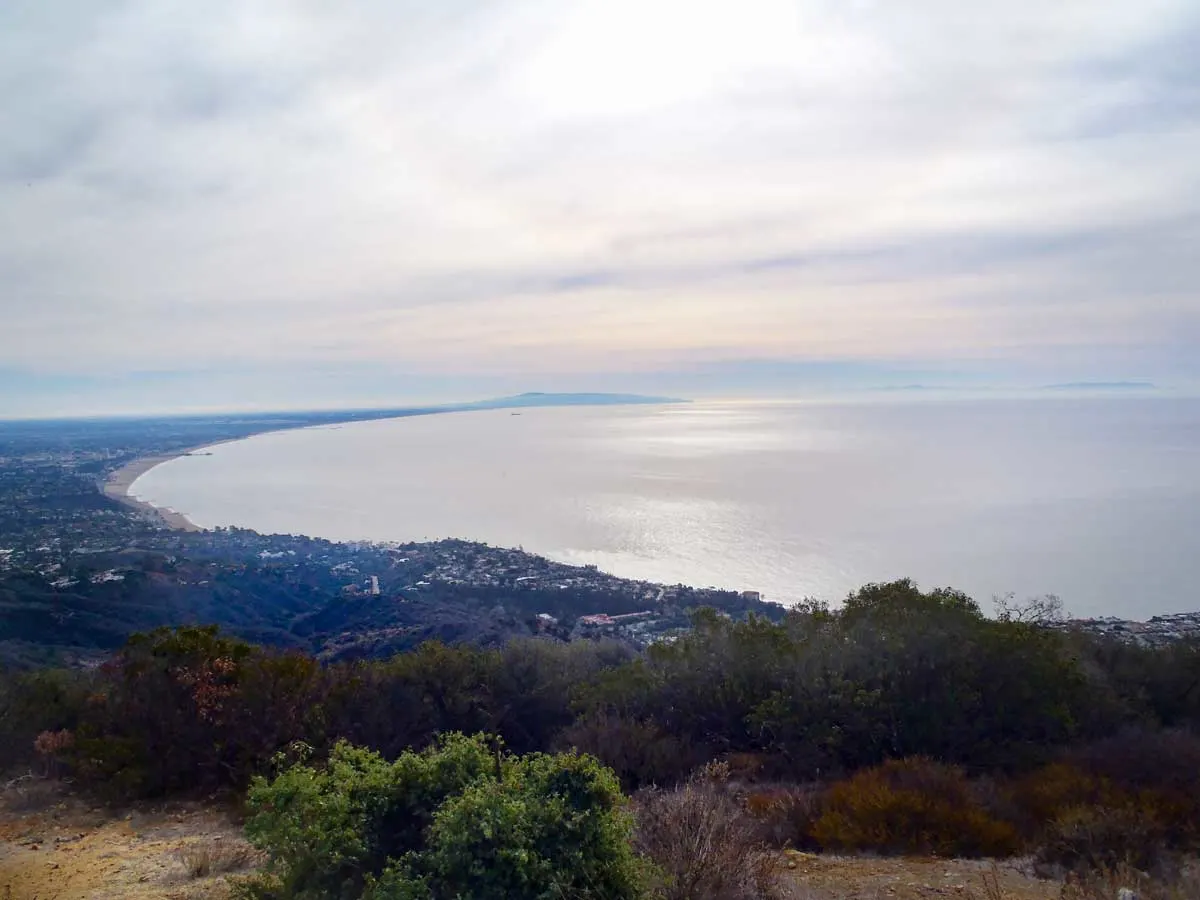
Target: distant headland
pixel 537 398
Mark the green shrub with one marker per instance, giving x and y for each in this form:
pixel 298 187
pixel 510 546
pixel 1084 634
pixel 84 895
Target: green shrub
pixel 459 819
pixel 327 829
pixel 911 806
pixel 554 826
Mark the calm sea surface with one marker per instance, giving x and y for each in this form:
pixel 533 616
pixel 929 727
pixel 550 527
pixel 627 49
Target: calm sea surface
pixel 1096 500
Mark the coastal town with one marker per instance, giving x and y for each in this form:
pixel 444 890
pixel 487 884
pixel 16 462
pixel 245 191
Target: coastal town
pixel 1156 631
pixel 82 566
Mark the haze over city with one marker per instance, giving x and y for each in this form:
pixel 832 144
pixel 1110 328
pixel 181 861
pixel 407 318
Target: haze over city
pixel 289 204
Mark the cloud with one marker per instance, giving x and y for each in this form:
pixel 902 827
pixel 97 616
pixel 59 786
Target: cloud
pixel 519 188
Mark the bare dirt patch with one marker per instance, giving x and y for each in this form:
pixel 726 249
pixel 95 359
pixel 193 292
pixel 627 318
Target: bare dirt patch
pixel 819 877
pixel 68 850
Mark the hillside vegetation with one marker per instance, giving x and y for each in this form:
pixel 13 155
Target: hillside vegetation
pixel 906 722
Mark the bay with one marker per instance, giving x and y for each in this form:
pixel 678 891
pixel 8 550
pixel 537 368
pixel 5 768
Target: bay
pixel 1094 499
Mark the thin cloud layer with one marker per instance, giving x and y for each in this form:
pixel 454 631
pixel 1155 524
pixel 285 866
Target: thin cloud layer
pixel 593 190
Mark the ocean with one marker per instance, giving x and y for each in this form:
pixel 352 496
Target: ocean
pixel 1094 499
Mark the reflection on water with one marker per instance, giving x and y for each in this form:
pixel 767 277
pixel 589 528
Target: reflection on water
pixel 1095 500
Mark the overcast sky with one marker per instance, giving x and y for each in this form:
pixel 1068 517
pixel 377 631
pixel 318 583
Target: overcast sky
pixel 238 204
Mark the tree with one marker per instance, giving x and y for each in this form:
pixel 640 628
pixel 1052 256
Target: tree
pixel 1046 610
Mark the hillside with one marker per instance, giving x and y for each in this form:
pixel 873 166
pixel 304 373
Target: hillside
pixel 71 852
pixel 331 599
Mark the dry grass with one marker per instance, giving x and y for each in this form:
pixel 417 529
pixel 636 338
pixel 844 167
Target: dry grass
pixel 989 886
pixel 205 858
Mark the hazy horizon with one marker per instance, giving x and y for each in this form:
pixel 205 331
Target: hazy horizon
pixel 891 394
pixel 286 205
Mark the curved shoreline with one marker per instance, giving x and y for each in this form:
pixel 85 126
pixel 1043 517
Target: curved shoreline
pixel 117 485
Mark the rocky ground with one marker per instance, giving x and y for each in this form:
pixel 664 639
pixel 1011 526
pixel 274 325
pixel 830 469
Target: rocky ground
pixel 54 846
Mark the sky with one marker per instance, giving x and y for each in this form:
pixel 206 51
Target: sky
pixel 311 204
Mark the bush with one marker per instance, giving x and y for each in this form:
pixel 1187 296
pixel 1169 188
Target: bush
pixel 326 829
pixel 786 814
pixel 1132 799
pixel 1052 790
pixel 552 827
pixel 458 819
pixel 214 857
pixel 1160 771
pixel 911 806
pixel 1089 839
pixel 704 843
pixel 1144 759
pixel 34 703
pixel 640 752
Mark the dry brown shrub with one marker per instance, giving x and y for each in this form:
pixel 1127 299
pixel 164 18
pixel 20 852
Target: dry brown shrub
pixel 912 805
pixel 1087 839
pixel 1130 800
pixel 705 844
pixel 1045 794
pixel 51 748
pixel 215 857
pixel 786 814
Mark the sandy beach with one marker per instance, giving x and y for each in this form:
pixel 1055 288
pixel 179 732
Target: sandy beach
pixel 119 482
